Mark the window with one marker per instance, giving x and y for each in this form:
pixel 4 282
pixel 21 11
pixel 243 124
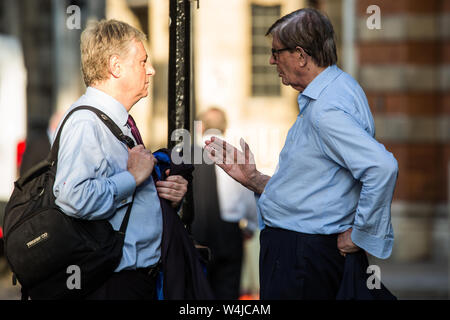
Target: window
pixel 265 81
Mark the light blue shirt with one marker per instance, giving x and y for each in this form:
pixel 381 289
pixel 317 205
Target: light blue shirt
pixel 332 173
pixel 92 181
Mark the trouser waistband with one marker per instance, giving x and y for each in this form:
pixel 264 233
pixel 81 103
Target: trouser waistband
pixel 151 271
pixel 301 234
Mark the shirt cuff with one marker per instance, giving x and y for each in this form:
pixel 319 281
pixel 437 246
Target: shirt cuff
pixel 378 247
pixel 124 184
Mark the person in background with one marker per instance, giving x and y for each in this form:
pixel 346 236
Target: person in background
pixel 225 215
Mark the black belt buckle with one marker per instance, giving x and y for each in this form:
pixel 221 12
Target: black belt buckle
pixel 153 270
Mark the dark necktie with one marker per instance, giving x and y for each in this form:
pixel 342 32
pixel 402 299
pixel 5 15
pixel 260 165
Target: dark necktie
pixel 138 138
pixel 134 130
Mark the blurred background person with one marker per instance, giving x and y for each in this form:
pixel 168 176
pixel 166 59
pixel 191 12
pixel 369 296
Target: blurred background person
pixel 225 215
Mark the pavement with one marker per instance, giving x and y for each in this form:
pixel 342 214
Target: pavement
pixel 421 280
pixel 7 290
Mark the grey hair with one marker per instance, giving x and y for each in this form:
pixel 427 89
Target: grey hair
pixel 309 29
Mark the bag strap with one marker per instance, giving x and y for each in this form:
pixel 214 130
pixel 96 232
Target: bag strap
pixel 102 116
pixel 123 226
pixel 53 156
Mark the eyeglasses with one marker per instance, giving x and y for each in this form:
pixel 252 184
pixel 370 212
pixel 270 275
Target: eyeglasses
pixel 277 51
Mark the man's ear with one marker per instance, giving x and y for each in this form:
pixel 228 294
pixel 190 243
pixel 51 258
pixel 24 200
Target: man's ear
pixel 114 66
pixel 301 55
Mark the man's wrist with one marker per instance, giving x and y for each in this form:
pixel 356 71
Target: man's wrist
pixel 258 181
pixel 124 184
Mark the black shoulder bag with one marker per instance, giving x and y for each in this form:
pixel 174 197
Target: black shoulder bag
pixel 45 248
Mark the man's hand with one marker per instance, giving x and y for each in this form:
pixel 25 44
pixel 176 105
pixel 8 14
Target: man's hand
pixel 240 165
pixel 345 243
pixel 140 163
pixel 173 188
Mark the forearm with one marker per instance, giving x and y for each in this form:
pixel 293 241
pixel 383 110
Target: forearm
pixel 257 182
pixel 87 184
pixel 347 143
pixel 94 198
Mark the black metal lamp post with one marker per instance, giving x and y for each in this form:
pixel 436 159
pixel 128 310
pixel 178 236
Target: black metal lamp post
pixel 179 93
pixel 179 67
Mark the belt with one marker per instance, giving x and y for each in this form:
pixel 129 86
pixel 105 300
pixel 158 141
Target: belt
pixel 332 236
pixel 151 271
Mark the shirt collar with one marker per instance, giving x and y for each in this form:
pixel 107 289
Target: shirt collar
pixel 319 83
pixel 104 102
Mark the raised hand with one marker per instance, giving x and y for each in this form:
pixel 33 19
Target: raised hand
pixel 240 165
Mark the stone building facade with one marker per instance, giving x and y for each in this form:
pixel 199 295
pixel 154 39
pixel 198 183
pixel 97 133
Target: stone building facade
pixel 404 68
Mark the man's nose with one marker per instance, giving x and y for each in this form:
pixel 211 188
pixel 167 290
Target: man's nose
pixel 150 70
pixel 272 59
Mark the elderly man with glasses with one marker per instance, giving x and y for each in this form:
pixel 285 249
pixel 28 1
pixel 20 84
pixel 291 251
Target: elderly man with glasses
pixel 332 191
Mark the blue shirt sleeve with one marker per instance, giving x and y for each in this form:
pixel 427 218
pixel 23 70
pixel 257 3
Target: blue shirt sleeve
pixel 261 223
pixel 345 142
pixel 84 187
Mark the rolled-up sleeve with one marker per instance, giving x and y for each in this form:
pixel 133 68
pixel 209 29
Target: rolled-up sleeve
pixel 346 142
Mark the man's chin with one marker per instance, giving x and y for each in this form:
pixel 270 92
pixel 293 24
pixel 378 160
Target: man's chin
pixel 285 82
pixel 142 96
pixel 145 94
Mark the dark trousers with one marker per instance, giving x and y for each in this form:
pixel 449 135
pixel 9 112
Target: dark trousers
pixel 126 285
pixel 295 265
pixel 225 278
pixel 224 271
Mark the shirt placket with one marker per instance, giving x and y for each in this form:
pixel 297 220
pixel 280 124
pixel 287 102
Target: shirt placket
pixel 303 103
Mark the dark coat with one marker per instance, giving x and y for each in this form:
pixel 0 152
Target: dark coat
pixel 184 276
